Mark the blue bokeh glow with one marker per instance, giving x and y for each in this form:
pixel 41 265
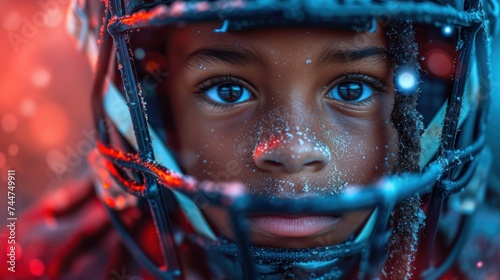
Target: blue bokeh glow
pixel 447 30
pixel 406 80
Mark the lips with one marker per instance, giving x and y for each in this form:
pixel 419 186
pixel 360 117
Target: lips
pixel 292 226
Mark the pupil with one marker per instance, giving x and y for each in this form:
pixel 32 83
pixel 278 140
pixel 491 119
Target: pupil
pixel 350 91
pixel 230 93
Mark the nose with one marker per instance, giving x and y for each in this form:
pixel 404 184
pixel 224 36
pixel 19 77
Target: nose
pixel 291 154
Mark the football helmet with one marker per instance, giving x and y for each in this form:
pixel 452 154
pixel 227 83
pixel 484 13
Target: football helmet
pixel 440 117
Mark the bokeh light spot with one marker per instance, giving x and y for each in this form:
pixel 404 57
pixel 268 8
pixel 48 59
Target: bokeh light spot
pixel 49 125
pixel 479 264
pixel 447 30
pixel 36 267
pixel 27 107
pixel 4 175
pixel 13 150
pixel 19 250
pixel 55 18
pixel 139 53
pixel 439 63
pixel 57 162
pixel 9 122
pixel 50 222
pixel 111 202
pixel 3 160
pixel 406 79
pixel 41 77
pixel 152 66
pixel 12 21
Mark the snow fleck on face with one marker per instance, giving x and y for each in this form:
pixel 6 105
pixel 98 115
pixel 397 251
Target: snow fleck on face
pixel 301 130
pixel 306 143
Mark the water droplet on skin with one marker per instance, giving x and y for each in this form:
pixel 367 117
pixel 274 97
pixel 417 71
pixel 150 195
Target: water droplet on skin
pixel 308 61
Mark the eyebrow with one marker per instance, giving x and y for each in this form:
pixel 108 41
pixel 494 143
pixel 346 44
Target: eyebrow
pixel 245 57
pixel 380 54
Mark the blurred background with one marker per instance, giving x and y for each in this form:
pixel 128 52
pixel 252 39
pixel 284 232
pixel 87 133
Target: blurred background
pixel 45 119
pixel 44 99
pixel 45 84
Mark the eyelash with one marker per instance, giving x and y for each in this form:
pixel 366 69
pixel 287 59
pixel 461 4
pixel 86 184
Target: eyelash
pixel 210 82
pixel 377 84
pixel 217 80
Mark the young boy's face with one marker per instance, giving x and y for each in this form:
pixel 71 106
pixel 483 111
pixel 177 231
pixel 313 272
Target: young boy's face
pixel 289 112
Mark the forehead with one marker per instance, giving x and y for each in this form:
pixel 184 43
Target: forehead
pixel 195 36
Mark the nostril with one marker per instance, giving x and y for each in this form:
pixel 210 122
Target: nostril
pixel 270 164
pixel 273 163
pixel 315 164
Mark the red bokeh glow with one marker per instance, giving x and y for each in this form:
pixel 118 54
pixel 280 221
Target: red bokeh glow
pixel 2 160
pixel 27 107
pixel 41 77
pixel 36 267
pixel 13 150
pixel 49 125
pixel 439 63
pixel 9 122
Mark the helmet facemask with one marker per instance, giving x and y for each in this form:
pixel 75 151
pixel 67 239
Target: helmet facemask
pixel 154 182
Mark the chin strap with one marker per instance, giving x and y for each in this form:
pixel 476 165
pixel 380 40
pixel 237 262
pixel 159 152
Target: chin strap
pixel 328 262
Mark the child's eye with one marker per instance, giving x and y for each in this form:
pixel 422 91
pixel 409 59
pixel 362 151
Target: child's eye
pixel 228 94
pixel 351 92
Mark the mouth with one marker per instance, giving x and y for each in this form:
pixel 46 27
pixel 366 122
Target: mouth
pixel 292 226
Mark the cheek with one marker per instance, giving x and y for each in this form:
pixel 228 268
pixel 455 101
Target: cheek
pixel 218 151
pixel 365 150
